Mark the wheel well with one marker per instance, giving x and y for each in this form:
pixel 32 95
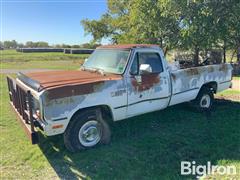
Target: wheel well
pixel 105 109
pixel 212 85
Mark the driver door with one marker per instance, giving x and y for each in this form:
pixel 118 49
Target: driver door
pixel 147 90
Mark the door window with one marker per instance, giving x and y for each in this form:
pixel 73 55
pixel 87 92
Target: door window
pixel 150 58
pixel 134 67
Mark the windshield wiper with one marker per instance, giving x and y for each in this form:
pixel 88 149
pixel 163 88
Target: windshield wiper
pixel 101 71
pixel 82 68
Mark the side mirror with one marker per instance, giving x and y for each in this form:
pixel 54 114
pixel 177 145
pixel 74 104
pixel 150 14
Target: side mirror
pixel 145 69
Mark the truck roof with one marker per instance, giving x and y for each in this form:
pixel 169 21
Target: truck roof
pixel 128 46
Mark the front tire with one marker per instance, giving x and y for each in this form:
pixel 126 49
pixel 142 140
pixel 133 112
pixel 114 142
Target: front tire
pixel 204 100
pixel 87 129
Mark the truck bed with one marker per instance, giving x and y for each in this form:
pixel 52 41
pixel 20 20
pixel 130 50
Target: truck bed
pixel 187 82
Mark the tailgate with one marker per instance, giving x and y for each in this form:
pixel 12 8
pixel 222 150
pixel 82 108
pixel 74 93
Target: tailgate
pixel 22 102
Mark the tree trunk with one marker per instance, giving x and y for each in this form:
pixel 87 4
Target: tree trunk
pixel 161 42
pixel 238 50
pixel 233 54
pixel 238 55
pixel 224 54
pixel 196 56
pixel 166 50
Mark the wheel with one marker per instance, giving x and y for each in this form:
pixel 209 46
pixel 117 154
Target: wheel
pixel 204 100
pixel 86 129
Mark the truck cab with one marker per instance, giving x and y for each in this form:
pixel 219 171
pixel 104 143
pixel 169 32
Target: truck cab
pixel 147 79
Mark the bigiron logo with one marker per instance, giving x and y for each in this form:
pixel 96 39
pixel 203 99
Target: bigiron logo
pixel 191 168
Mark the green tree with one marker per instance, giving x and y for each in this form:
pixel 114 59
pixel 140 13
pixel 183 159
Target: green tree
pixel 30 44
pixel 135 21
pixel 195 25
pixel 10 44
pixel 151 23
pixel 41 44
pixel 57 46
pixel 208 24
pixel 233 30
pixel 66 46
pixel 75 46
pixel 20 45
pixel 99 28
pixel 195 30
pixel 90 45
pixel 225 24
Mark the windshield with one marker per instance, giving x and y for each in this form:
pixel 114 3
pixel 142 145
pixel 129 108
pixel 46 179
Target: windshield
pixel 108 60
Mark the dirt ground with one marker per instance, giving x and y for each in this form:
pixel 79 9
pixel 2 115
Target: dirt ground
pixel 235 84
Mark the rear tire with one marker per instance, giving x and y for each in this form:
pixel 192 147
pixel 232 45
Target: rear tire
pixel 204 100
pixel 86 130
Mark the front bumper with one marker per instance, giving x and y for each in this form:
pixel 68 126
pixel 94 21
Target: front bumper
pixel 22 103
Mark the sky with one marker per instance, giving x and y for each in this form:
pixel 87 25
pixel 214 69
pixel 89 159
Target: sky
pixel 55 22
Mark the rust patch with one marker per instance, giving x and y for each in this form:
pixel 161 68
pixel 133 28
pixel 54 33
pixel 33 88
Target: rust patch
pixel 148 81
pixel 55 79
pixel 223 68
pixel 126 46
pixel 192 71
pixel 74 90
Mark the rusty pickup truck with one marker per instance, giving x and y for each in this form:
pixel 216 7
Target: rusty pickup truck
pixel 116 82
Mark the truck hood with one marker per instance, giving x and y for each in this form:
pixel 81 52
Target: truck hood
pixel 54 79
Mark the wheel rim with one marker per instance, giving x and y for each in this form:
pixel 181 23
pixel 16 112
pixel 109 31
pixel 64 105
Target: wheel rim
pixel 90 133
pixel 205 101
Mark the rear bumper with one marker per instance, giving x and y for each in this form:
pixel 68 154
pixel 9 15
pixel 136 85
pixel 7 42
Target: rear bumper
pixel 21 103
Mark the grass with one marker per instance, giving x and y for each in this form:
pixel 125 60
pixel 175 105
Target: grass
pixel 70 64
pixel 236 78
pixel 13 56
pixel 150 146
pixel 229 92
pixel 11 59
pixel 146 147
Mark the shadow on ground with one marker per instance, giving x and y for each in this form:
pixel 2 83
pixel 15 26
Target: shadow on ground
pixel 152 146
